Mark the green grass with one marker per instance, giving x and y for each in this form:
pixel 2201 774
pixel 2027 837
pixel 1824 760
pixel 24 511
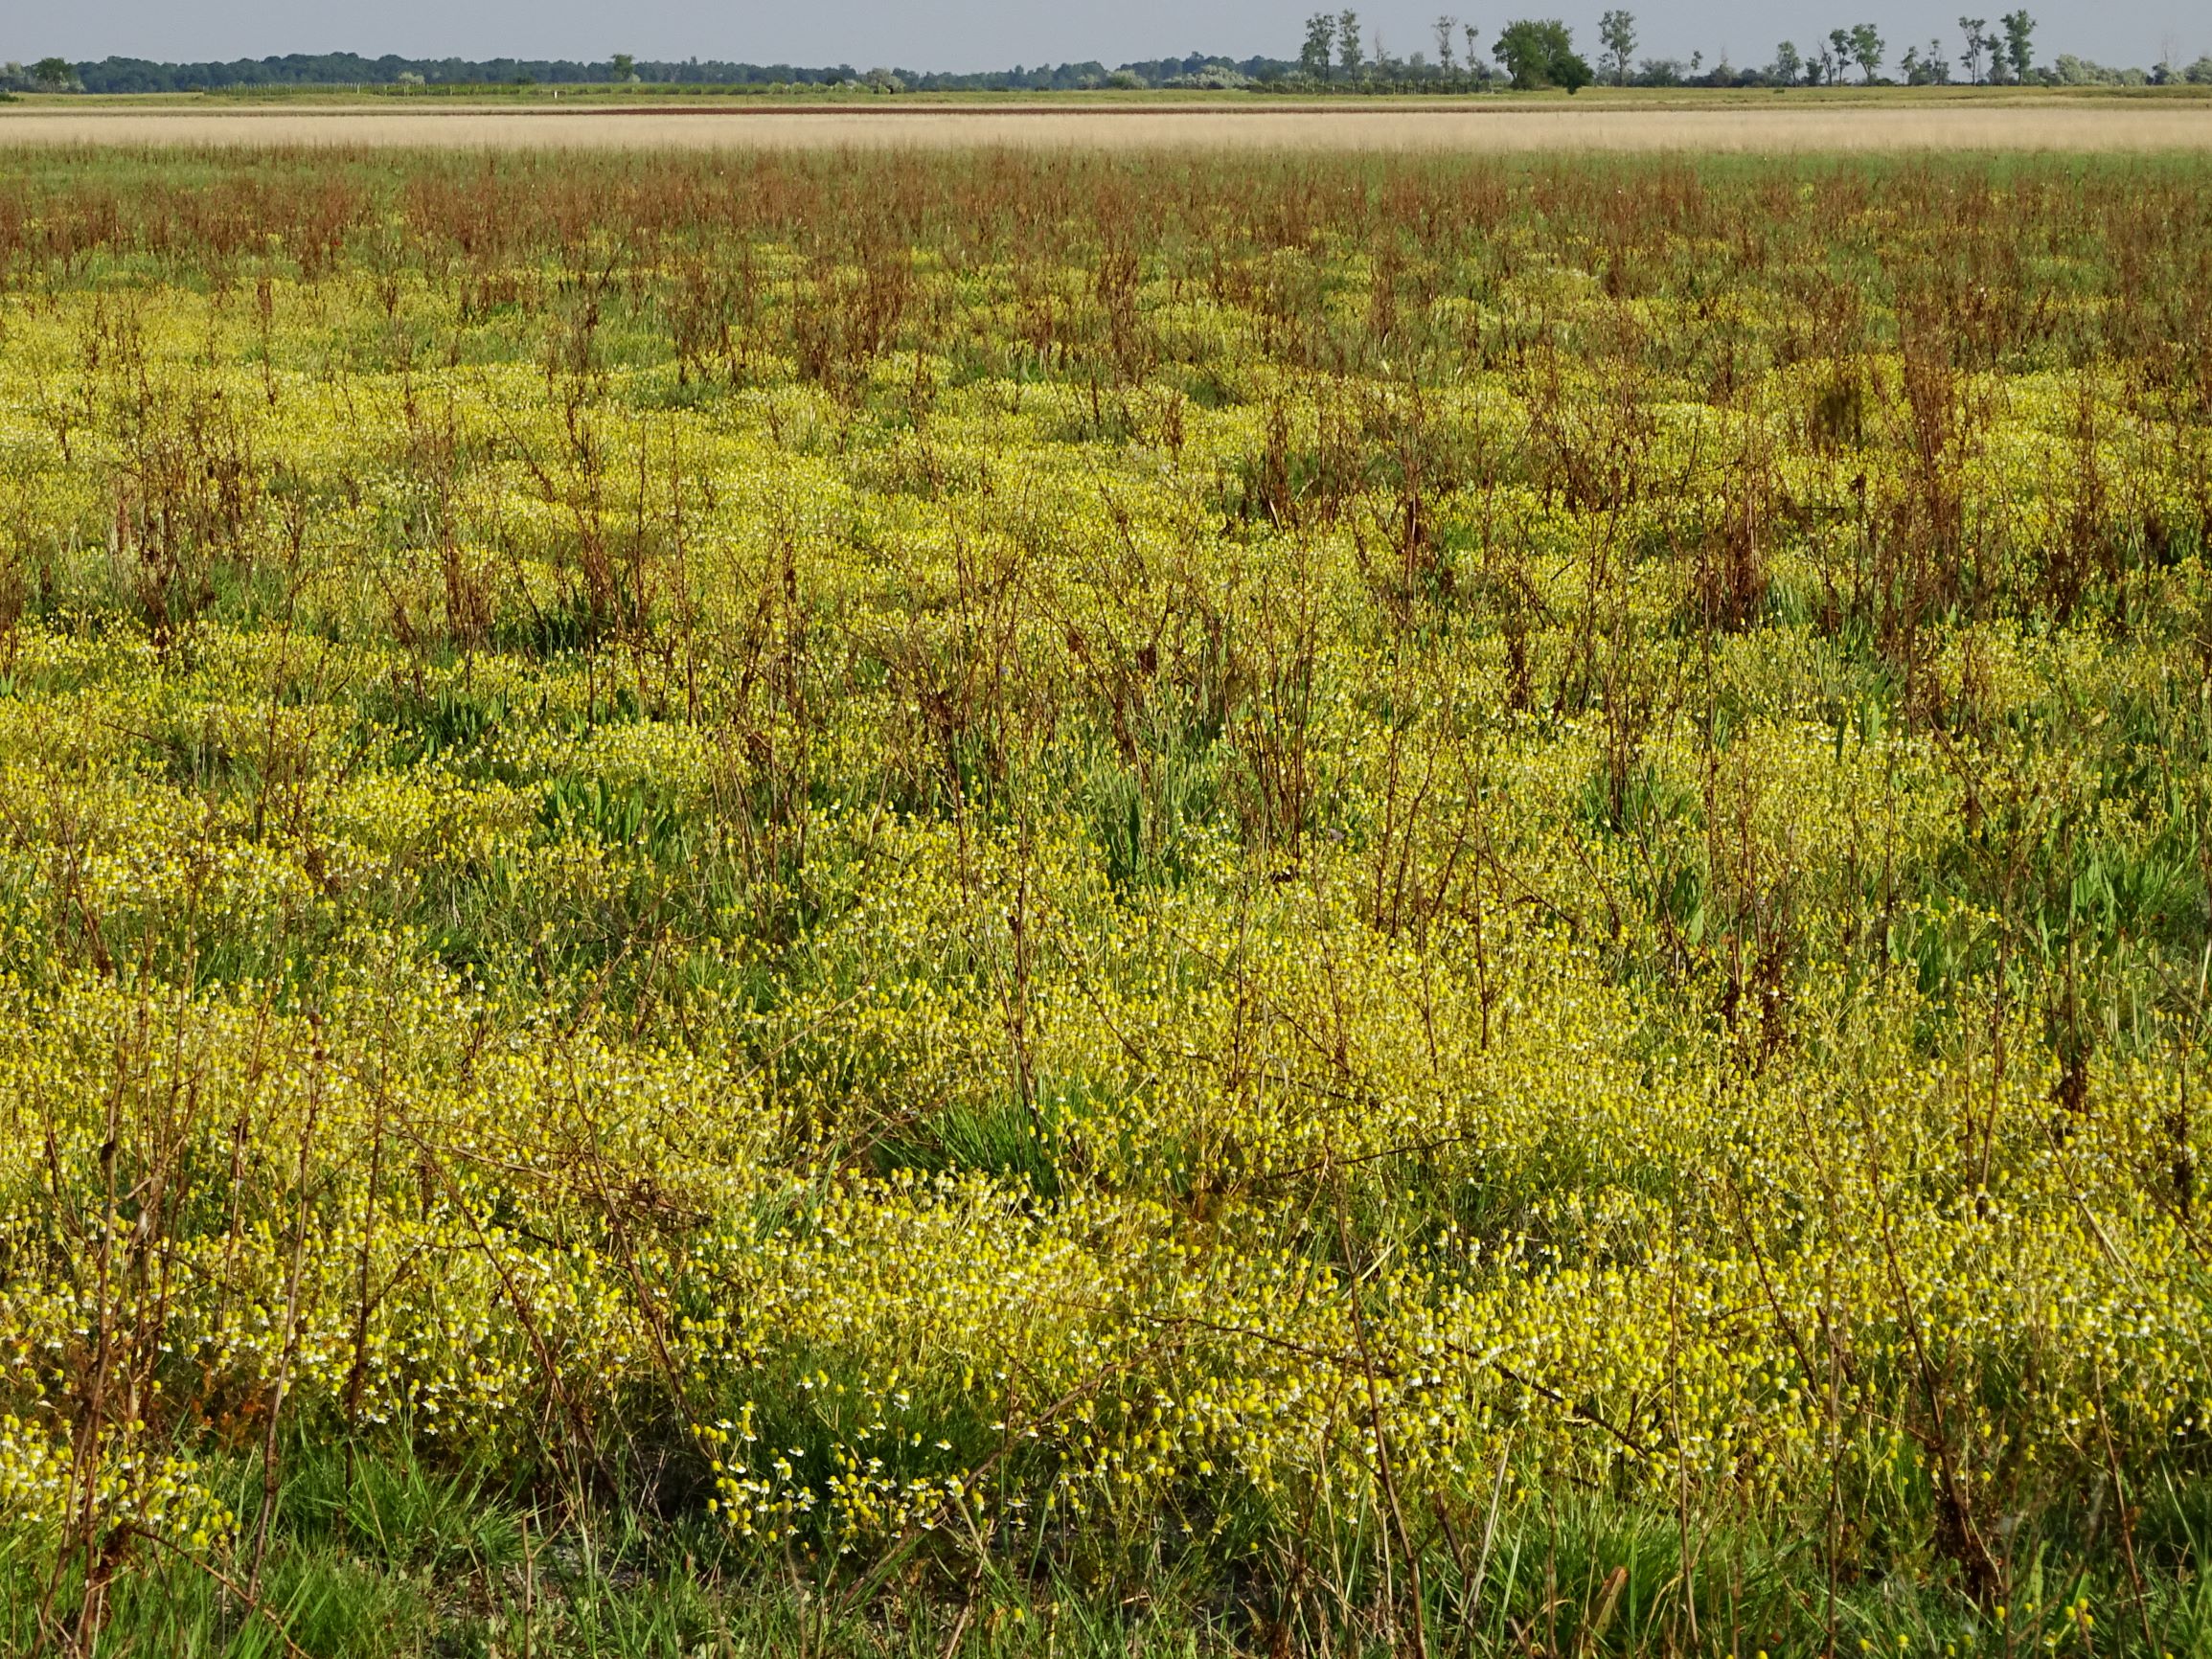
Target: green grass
pixel 381 1558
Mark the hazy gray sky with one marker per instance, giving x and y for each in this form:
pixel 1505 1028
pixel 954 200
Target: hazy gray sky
pixel 996 33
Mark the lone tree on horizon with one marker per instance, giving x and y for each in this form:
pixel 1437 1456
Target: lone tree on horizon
pixel 1866 49
pixel 1542 53
pixel 1320 42
pixel 1617 29
pixel 1972 28
pixel 2019 42
pixel 1349 56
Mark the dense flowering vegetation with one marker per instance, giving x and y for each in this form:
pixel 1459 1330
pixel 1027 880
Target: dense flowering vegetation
pixel 989 873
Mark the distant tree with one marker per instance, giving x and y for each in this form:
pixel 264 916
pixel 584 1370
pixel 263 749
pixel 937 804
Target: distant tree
pixel 1320 44
pixel 1787 65
pixel 1518 50
pixel 1542 53
pixel 54 73
pixel 624 66
pixel 1971 27
pixel 1618 31
pixel 1838 56
pixel 1349 56
pixel 1938 71
pixel 1446 27
pixel 1472 37
pixel 2019 48
pixel 1866 50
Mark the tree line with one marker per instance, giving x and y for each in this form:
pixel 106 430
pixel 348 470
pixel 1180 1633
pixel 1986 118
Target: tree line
pixel 340 69
pixel 1532 53
pixel 2001 55
pixel 1339 51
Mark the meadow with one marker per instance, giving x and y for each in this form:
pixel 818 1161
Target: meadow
pixel 1003 902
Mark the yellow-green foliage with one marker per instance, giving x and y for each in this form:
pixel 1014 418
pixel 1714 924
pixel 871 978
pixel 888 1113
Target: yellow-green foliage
pixel 1190 848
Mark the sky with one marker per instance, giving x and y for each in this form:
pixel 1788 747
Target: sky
pixel 997 34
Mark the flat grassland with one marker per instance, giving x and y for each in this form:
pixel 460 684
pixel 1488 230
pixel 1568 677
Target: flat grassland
pixel 1488 127
pixel 993 902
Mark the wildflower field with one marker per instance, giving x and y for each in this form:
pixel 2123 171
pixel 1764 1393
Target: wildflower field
pixel 976 902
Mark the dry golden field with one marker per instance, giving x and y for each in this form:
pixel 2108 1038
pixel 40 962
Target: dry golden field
pixel 1492 128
